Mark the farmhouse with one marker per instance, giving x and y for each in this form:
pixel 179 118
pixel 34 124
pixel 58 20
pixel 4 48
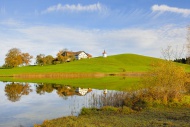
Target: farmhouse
pixel 77 55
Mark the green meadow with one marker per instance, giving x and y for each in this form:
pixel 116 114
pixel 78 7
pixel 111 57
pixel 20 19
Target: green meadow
pixel 116 64
pixel 122 63
pixel 109 82
pixel 111 64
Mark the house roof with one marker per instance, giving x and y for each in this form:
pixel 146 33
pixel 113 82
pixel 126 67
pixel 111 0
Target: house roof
pixel 76 53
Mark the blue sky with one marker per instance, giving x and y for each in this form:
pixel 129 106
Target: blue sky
pixel 118 26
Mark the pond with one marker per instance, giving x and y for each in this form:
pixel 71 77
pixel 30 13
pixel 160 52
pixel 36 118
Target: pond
pixel 26 104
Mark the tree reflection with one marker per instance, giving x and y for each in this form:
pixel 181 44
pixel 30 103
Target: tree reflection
pixel 14 91
pixel 61 90
pixel 42 88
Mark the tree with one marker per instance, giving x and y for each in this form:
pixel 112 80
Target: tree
pixel 60 57
pixel 166 81
pixel 188 45
pixel 15 57
pixel 173 54
pixel 41 59
pixel 188 41
pixel 26 58
pixel 49 59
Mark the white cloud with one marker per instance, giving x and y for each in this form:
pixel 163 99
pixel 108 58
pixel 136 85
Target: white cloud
pixel 165 8
pixel 10 22
pixel 49 40
pixel 75 8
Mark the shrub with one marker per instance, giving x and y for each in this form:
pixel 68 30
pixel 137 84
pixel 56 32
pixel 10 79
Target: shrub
pixel 166 81
pixel 109 108
pixel 87 111
pixel 137 101
pixel 126 110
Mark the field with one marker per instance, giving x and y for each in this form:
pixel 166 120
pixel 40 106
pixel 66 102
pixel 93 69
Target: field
pixel 151 117
pixel 111 64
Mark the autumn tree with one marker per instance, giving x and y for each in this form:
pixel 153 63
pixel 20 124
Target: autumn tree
pixel 26 58
pixel 65 56
pixel 60 57
pixel 15 57
pixel 167 81
pixel 49 59
pixel 41 59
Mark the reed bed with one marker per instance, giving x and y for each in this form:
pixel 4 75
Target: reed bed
pixel 112 98
pixel 59 75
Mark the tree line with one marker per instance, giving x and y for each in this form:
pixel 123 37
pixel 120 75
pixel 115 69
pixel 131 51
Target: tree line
pixel 15 58
pixel 14 91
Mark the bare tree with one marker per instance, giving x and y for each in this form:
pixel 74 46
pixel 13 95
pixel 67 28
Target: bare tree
pixel 188 44
pixel 167 53
pixel 172 54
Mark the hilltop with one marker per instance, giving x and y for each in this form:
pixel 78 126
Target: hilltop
pixel 111 64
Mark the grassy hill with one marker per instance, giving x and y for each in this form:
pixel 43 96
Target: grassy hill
pixel 111 64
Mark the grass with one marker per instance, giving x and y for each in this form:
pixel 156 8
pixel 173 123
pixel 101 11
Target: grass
pixel 84 69
pixel 111 64
pixel 111 116
pixel 111 83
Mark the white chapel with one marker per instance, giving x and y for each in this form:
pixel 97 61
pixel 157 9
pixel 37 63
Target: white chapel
pixel 104 54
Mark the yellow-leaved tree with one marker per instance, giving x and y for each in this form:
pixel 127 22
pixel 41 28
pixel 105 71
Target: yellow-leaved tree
pixel 166 81
pixel 15 57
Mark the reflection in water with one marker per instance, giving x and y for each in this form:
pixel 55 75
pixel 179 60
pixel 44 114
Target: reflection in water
pixel 14 91
pixel 61 90
pixel 43 88
pixel 43 101
pixel 83 91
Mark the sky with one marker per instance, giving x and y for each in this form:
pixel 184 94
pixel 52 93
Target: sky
pixel 118 26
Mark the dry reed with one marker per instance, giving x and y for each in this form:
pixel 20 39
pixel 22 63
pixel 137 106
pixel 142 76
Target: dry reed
pixel 59 75
pixel 112 98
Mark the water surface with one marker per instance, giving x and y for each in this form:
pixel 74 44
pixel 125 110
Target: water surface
pixel 26 104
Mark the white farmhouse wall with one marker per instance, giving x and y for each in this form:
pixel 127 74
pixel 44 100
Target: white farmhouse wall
pixel 82 55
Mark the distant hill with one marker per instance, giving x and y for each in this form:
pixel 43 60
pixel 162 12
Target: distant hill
pixel 111 64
